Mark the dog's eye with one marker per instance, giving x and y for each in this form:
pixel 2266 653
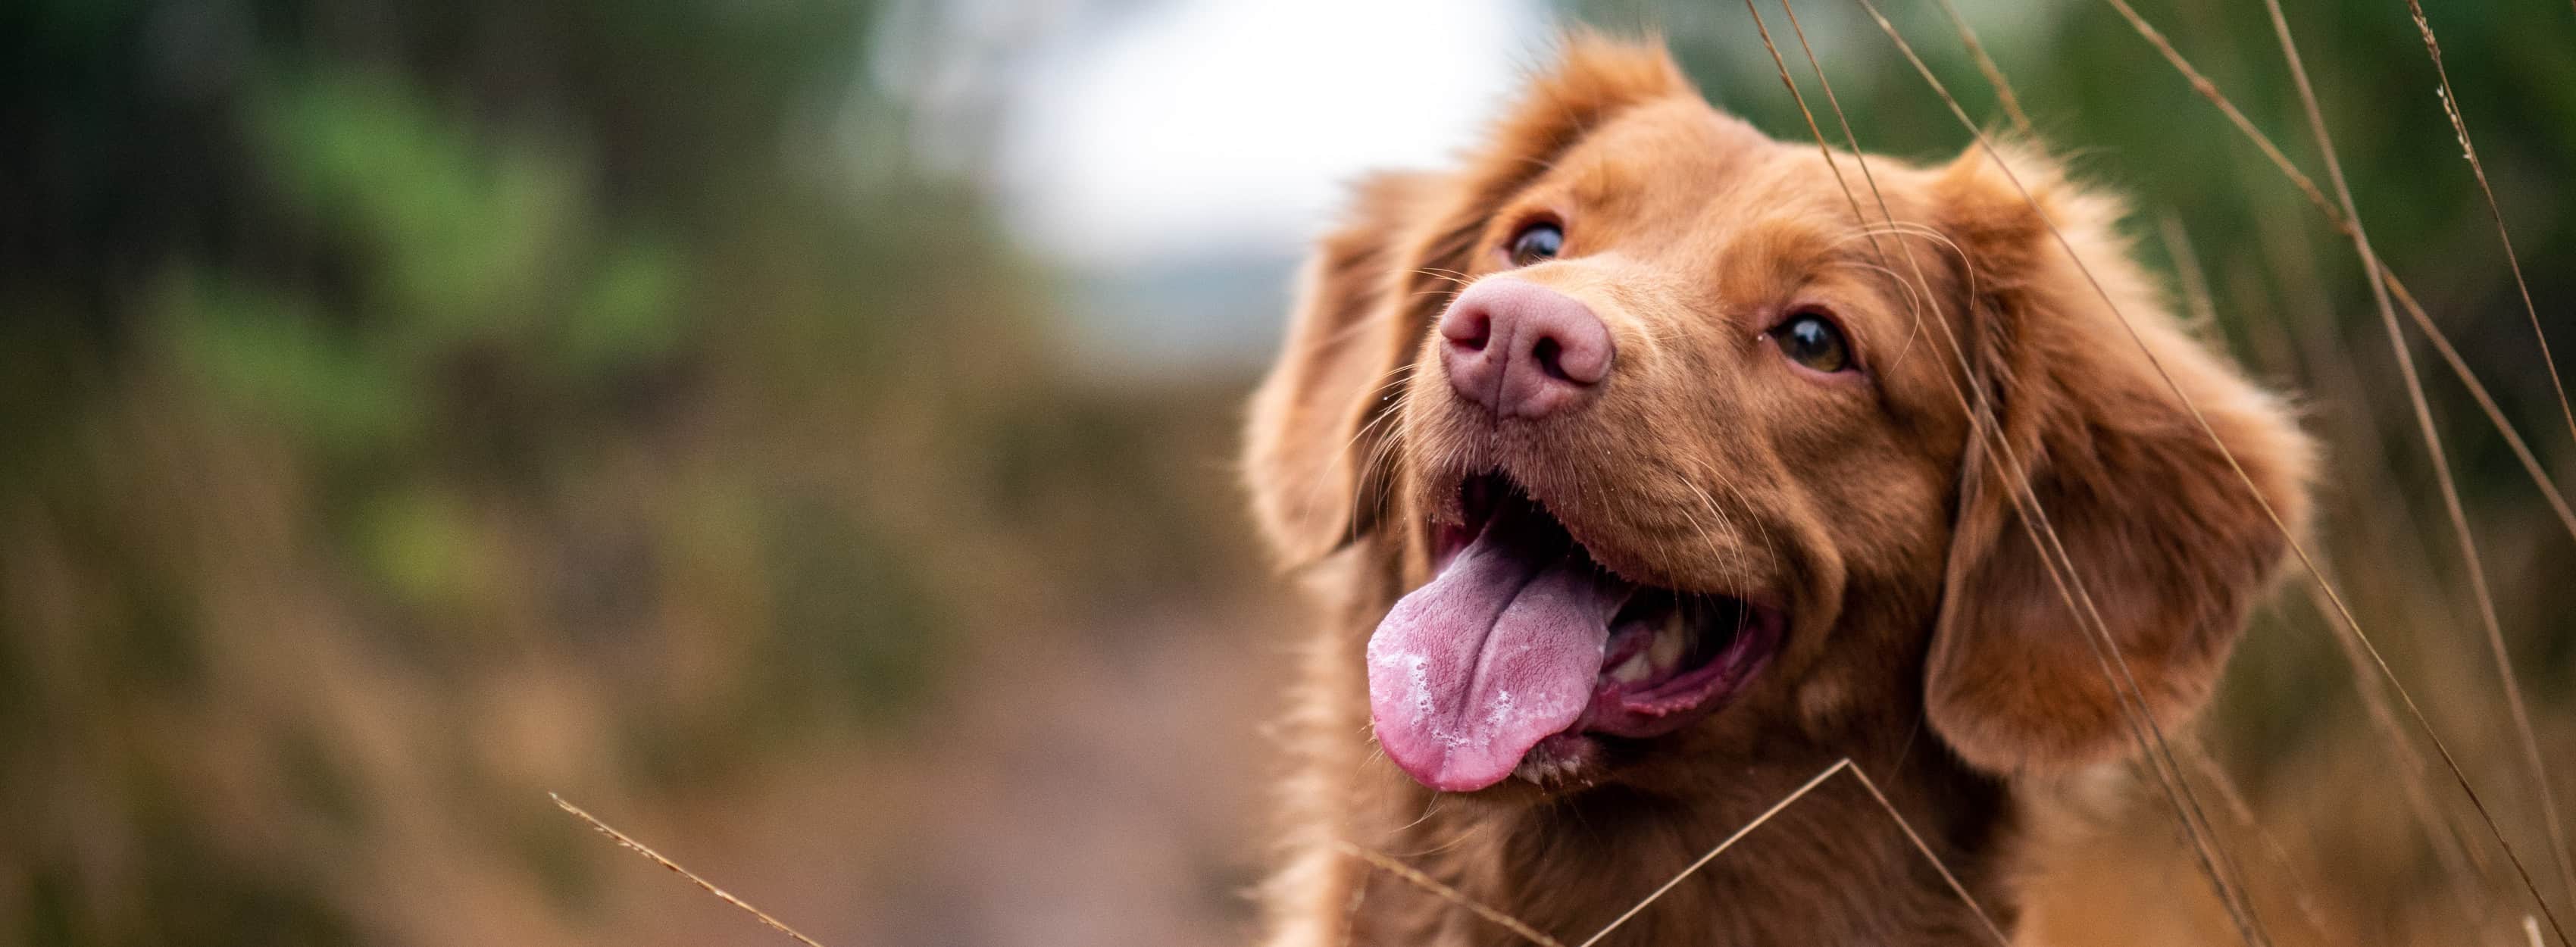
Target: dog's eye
pixel 1536 242
pixel 1814 341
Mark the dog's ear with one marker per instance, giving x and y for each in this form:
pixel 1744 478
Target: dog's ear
pixel 1306 456
pixel 1318 466
pixel 2169 547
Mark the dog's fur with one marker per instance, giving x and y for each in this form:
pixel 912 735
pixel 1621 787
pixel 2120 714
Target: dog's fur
pixel 1928 641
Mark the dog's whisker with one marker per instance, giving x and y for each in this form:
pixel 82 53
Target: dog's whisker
pixel 1430 807
pixel 1913 307
pixel 1744 573
pixel 1372 321
pixel 1760 529
pixel 1867 228
pixel 1456 838
pixel 1395 381
pixel 1452 277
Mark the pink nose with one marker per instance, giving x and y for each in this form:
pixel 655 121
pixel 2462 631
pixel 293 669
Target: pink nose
pixel 1523 350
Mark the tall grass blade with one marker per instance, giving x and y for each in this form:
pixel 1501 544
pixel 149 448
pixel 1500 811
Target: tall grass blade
pixel 2495 640
pixel 2306 559
pixel 2432 435
pixel 1446 893
pixel 1994 74
pixel 646 851
pixel 2111 661
pixel 2335 217
pixel 1842 765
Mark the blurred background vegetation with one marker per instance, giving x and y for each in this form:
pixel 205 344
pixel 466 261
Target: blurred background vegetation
pixel 414 408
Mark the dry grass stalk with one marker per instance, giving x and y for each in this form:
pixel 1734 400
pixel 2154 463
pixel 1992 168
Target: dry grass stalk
pixel 2195 284
pixel 1910 835
pixel 2432 441
pixel 2335 217
pixel 2343 221
pixel 2415 311
pixel 1720 849
pixel 2495 643
pixel 1844 765
pixel 2469 150
pixel 646 851
pixel 2113 664
pixel 1533 935
pixel 1425 882
pixel 2461 862
pixel 2243 813
pixel 1994 74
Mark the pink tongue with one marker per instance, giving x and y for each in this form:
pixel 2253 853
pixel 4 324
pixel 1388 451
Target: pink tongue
pixel 1496 653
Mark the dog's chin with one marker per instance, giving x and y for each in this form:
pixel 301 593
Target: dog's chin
pixel 1670 659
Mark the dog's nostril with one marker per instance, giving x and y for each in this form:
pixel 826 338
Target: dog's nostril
pixel 1472 334
pixel 1546 353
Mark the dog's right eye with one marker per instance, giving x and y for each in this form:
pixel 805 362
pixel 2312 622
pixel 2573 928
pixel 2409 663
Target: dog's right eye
pixel 1812 340
pixel 1539 241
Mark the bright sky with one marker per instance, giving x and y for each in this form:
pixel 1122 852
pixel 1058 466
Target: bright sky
pixel 1201 127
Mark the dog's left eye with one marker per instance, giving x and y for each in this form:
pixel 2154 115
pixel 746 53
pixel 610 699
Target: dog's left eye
pixel 1540 241
pixel 1814 341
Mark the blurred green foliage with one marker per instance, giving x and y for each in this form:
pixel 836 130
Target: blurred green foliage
pixel 432 314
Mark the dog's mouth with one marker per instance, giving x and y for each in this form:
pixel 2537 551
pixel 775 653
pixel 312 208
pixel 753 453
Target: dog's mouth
pixel 1521 637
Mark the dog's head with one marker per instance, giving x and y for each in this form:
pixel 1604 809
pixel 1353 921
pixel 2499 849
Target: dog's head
pixel 1681 436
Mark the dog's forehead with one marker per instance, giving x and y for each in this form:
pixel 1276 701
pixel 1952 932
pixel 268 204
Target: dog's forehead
pixel 1665 145
pixel 1685 161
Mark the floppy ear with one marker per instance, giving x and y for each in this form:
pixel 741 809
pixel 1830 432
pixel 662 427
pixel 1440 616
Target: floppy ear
pixel 1338 370
pixel 1318 468
pixel 2168 546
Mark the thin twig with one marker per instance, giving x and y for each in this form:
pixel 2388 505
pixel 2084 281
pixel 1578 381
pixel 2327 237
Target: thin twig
pixel 641 849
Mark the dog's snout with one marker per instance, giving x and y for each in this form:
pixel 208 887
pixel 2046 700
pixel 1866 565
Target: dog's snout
pixel 1521 349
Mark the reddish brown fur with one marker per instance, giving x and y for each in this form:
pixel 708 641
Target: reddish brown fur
pixel 1928 642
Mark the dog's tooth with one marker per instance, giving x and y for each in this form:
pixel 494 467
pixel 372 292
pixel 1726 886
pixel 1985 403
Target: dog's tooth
pixel 1635 669
pixel 1672 638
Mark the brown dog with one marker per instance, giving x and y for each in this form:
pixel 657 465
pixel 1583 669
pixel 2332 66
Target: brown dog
pixel 1645 475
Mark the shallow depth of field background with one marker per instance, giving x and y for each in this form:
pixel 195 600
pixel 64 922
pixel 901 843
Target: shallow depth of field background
pixel 800 433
